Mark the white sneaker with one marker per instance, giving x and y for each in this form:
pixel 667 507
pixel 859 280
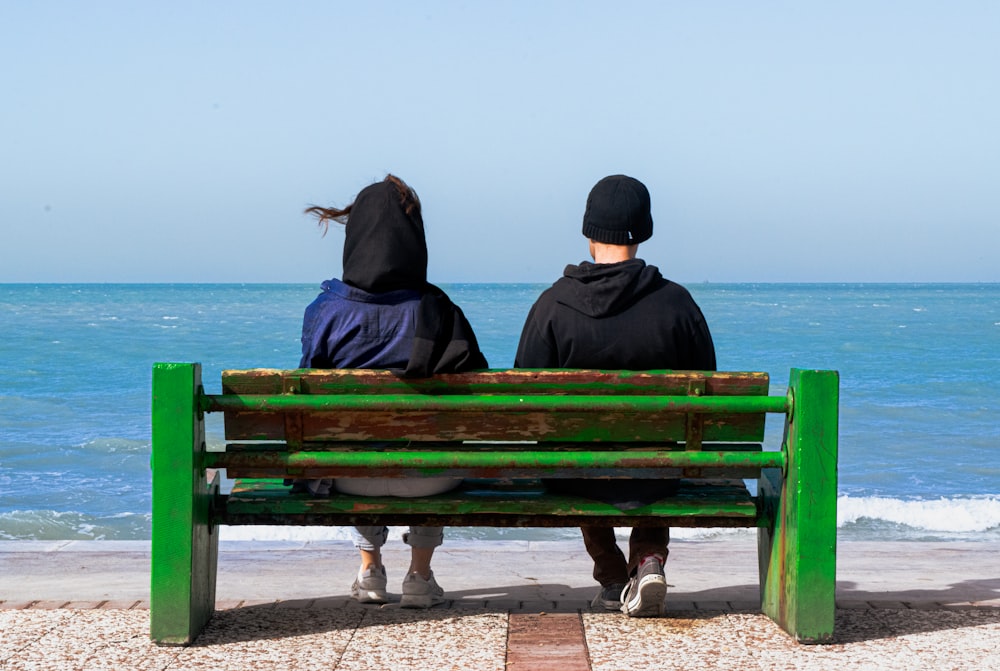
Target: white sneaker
pixel 369 586
pixel 420 593
pixel 644 594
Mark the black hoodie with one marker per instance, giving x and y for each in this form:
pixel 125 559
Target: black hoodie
pixel 616 316
pixel 385 251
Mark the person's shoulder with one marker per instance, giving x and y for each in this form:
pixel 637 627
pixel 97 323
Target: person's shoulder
pixel 551 293
pixel 667 287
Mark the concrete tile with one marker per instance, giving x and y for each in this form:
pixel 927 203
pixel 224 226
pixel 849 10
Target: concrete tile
pixel 571 605
pixel 119 604
pixel 49 604
pixel 617 642
pixel 227 604
pixel 265 638
pixel 680 605
pixel 883 604
pixel 722 606
pixel 502 604
pixel 295 604
pixel 425 640
pixel 852 604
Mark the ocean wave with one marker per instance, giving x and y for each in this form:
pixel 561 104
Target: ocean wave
pixel 954 515
pixel 51 525
pixel 969 518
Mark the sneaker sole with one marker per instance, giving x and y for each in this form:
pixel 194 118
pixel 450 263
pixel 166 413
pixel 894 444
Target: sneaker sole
pixel 368 596
pixel 649 598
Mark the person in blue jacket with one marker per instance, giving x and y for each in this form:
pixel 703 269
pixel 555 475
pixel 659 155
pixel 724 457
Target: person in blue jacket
pixel 383 313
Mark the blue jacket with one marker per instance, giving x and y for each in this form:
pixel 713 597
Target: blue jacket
pixel 419 333
pixel 346 327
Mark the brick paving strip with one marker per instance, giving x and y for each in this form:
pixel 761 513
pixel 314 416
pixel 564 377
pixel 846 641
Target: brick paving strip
pixel 545 641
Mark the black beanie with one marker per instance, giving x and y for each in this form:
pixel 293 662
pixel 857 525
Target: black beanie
pixel 618 212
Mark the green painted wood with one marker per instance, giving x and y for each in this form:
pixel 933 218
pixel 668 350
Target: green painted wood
pixel 594 404
pixel 479 463
pixel 719 503
pixel 462 417
pixel 525 381
pixel 184 544
pixel 799 577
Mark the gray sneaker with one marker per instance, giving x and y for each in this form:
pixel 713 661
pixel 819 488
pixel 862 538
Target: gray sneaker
pixel 609 598
pixel 420 593
pixel 369 586
pixel 646 591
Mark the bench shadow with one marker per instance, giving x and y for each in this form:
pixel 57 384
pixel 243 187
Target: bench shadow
pixel 860 618
pixel 952 610
pixel 333 613
pixel 852 625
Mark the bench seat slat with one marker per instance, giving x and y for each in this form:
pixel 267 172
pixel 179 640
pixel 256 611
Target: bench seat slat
pixel 720 502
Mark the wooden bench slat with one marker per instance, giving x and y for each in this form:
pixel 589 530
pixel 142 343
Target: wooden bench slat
pixel 524 381
pixel 513 446
pixel 582 427
pixel 263 502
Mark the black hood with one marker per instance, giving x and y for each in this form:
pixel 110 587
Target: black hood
pixel 384 248
pixel 603 289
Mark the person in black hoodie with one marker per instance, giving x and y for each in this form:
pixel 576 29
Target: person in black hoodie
pixel 618 313
pixel 384 313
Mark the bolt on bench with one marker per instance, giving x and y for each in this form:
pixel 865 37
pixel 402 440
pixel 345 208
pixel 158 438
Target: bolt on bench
pixel 503 431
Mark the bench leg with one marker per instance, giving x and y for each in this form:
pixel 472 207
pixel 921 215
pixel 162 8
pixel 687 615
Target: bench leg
pixel 185 538
pixel 797 541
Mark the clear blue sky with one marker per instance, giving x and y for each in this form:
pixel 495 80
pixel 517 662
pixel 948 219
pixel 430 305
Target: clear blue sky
pixel 781 141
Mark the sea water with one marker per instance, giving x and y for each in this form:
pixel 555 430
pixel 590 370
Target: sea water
pixel 919 407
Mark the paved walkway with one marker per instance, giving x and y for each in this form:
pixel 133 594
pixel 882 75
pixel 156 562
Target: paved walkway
pixel 513 605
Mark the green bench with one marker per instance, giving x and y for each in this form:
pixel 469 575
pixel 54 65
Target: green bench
pixel 503 431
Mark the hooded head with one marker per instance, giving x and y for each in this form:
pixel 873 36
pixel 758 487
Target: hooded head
pixel 385 248
pixel 618 212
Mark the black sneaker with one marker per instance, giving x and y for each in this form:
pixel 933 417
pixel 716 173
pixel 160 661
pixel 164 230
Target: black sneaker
pixel 609 598
pixel 646 591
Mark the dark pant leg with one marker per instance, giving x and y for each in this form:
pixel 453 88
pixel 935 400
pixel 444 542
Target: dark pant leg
pixel 646 541
pixel 609 562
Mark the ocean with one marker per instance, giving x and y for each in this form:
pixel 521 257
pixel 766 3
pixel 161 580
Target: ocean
pixel 919 413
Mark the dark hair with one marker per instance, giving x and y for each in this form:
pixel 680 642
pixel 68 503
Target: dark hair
pixel 407 199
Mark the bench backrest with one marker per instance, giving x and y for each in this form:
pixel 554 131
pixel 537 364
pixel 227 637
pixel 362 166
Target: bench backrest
pixel 309 407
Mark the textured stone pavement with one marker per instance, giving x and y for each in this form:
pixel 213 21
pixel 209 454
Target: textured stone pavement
pixel 514 605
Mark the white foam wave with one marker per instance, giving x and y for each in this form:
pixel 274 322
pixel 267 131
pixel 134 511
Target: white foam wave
pixel 949 515
pixel 955 515
pixel 970 517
